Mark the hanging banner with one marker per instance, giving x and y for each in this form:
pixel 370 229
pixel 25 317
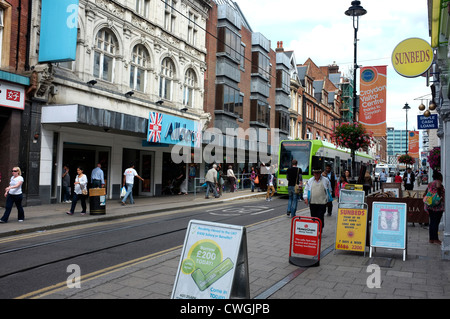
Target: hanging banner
pixel 372 110
pixel 413 144
pixel 59 27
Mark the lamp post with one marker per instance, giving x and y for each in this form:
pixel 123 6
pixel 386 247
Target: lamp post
pixel 406 108
pixel 355 11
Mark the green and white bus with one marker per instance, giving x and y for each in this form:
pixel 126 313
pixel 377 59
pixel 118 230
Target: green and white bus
pixel 315 153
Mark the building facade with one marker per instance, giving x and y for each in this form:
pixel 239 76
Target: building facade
pixel 134 58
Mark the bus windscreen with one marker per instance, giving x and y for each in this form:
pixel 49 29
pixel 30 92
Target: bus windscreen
pixel 299 150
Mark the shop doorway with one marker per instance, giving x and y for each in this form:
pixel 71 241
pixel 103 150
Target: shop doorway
pixel 146 159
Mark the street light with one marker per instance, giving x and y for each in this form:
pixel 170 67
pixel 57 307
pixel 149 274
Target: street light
pixel 406 108
pixel 355 11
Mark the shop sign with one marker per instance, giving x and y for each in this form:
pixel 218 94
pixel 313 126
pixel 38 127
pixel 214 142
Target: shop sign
pixel 427 123
pixel 169 129
pixel 213 262
pixel 12 95
pixel 412 57
pixel 58 32
pixel 306 234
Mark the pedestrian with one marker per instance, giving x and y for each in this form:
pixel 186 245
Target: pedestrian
pixel 382 177
pixel 270 187
pixel 252 178
pixel 13 194
pixel 435 212
pixel 398 178
pixel 80 192
pixel 220 179
pixel 182 180
pixel 409 178
pixel 128 181
pixel 340 185
pixel 211 181
pixel 98 177
pixel 317 193
pixel 66 184
pixel 332 178
pixel 294 177
pixel 231 178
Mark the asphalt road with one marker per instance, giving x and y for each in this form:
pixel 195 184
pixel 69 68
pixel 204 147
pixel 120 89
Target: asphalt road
pixel 35 261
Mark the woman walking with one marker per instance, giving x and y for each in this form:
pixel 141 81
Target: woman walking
pixel 13 194
pixel 435 212
pixel 80 192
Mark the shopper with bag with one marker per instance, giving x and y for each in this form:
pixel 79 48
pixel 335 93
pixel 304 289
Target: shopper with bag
pixel 434 205
pixel 80 192
pixel 13 194
pixel 295 180
pixel 317 194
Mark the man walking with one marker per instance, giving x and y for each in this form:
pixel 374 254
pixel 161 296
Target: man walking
pixel 66 184
pixel 98 177
pixel 409 178
pixel 211 181
pixel 270 186
pixel 317 194
pixel 128 180
pixel 294 177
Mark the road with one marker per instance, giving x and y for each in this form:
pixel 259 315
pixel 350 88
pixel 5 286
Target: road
pixel 35 261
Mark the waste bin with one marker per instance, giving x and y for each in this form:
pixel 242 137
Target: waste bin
pixel 97 201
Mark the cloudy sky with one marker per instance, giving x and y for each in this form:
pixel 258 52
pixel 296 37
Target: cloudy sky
pixel 321 31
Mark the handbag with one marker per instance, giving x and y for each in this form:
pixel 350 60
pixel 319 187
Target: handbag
pixel 256 180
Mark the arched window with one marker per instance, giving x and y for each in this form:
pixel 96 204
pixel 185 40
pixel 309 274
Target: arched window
pixel 166 79
pixel 138 68
pixel 190 82
pixel 106 48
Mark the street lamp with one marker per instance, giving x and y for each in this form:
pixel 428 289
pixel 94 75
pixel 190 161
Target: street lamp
pixel 406 108
pixel 355 11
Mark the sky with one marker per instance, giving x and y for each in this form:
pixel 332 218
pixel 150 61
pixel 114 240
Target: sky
pixel 320 30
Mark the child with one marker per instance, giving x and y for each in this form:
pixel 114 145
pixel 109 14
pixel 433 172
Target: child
pixel 340 185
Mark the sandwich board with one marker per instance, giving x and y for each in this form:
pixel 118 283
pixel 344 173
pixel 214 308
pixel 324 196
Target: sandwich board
pixel 213 263
pixel 306 234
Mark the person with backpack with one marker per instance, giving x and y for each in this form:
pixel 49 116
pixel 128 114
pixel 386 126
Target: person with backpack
pixel 435 209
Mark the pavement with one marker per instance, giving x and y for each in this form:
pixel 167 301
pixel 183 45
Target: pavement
pixel 340 275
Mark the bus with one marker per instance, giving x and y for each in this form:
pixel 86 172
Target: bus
pixel 315 153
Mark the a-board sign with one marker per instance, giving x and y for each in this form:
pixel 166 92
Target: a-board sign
pixel 347 196
pixel 306 234
pixel 357 187
pixel 388 226
pixel 213 262
pixel 351 229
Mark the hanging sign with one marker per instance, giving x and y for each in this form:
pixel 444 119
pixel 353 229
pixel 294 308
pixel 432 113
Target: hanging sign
pixel 412 57
pixel 427 123
pixel 213 263
pixel 388 226
pixel 306 234
pixel 351 229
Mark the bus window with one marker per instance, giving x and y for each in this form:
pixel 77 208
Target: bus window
pixel 294 150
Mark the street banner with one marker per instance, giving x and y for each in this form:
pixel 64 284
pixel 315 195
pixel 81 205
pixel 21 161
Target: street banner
pixel 305 243
pixel 372 110
pixel 213 263
pixel 413 144
pixel 351 229
pixel 388 226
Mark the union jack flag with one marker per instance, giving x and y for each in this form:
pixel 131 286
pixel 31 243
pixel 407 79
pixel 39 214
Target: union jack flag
pixel 154 127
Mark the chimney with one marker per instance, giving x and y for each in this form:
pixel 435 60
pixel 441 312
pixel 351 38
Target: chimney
pixel 279 47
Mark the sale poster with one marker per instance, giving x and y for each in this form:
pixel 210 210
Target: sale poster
pixel 208 261
pixel 351 229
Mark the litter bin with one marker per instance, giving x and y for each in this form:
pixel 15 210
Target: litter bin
pixel 97 201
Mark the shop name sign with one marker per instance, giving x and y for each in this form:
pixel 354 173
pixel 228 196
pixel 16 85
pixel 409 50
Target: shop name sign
pixel 412 57
pixel 169 129
pixel 427 123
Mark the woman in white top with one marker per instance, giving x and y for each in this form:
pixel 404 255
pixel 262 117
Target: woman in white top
pixel 13 194
pixel 80 192
pixel 231 178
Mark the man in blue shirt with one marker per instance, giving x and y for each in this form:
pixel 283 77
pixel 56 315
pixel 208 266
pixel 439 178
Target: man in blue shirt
pixel 97 177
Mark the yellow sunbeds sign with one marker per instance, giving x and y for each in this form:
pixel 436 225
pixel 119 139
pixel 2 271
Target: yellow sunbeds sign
pixel 412 57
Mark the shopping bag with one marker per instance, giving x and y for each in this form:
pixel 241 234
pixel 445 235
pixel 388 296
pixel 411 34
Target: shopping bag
pixel 123 192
